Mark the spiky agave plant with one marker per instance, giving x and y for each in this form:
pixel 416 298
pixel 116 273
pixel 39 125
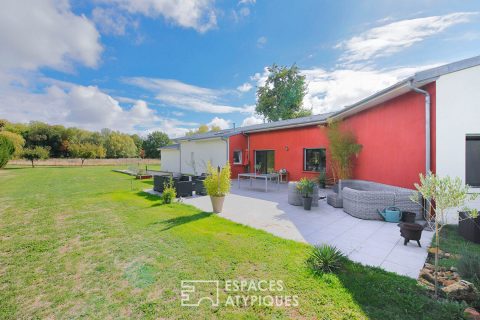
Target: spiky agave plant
pixel 326 259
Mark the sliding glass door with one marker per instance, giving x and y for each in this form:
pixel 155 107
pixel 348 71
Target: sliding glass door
pixel 264 161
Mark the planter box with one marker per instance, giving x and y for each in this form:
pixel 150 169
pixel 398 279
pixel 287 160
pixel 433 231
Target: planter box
pixel 143 176
pixel 469 228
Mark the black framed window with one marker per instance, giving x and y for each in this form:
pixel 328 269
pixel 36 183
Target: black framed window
pixel 237 157
pixel 314 160
pixel 472 161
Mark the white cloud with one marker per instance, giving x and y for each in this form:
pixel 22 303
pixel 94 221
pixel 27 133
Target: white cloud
pixel 251 121
pixel 111 21
pixel 260 78
pixel 245 87
pixel 46 33
pixel 220 122
pixel 86 107
pixel 262 41
pixel 332 90
pixel 246 2
pixel 197 14
pixel 393 37
pixel 185 96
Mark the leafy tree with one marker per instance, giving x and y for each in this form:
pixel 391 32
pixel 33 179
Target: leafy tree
pixel 154 141
pixel 203 129
pixel 343 146
pixel 138 143
pixel 215 128
pixel 34 154
pixel 86 151
pixel 44 135
pixel 120 145
pixel 6 150
pixel 282 95
pixel 16 139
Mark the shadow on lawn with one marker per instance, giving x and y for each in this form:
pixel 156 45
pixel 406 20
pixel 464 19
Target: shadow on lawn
pixel 149 196
pixel 385 295
pixel 178 221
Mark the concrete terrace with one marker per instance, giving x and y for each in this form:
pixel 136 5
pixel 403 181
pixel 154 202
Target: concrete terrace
pixel 374 243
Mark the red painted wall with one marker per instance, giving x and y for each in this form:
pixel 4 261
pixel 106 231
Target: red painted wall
pixel 392 135
pixel 238 142
pixel 292 159
pixel 393 139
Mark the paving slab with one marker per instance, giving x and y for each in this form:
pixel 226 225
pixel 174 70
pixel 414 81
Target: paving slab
pixel 374 243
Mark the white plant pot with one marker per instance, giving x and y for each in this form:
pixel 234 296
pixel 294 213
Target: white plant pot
pixel 217 203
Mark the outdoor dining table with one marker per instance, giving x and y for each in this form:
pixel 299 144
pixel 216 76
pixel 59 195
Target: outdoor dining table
pixel 265 176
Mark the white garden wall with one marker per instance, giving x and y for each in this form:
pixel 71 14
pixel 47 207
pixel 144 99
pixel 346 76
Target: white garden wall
pixel 170 160
pixel 458 114
pixel 196 154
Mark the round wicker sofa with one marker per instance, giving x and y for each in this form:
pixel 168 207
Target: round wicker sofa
pixel 362 199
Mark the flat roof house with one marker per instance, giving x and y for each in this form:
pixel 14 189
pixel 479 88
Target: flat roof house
pixel 429 121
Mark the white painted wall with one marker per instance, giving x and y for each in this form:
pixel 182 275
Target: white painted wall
pixel 196 154
pixel 170 160
pixel 458 114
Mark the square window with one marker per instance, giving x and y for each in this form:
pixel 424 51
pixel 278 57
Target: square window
pixel 237 157
pixel 314 160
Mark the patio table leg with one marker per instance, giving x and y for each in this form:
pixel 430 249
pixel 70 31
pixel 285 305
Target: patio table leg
pixel 266 184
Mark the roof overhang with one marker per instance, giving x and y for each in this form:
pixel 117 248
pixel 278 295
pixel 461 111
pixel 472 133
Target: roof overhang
pixel 305 124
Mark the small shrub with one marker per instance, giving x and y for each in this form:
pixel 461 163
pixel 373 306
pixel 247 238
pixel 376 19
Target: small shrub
pixel 325 259
pixel 217 182
pixel 169 193
pixel 6 150
pixel 305 187
pixel 469 266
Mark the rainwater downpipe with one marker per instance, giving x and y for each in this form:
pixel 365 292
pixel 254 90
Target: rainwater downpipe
pixel 427 125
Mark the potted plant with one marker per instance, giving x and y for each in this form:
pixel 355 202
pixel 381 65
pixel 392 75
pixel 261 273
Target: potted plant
pixel 322 179
pixel 305 187
pixel 469 225
pixel 258 166
pixel 217 184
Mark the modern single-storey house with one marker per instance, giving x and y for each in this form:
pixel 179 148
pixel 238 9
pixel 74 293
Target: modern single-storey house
pixel 427 122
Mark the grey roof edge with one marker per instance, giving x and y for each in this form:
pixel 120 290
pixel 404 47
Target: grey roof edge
pixel 436 72
pixel 170 147
pixel 420 78
pixel 276 125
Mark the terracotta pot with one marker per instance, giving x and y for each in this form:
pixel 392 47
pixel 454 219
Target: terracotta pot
pixel 217 203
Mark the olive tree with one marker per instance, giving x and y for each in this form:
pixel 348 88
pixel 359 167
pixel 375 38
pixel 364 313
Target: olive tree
pixel 442 195
pixel 86 151
pixel 34 154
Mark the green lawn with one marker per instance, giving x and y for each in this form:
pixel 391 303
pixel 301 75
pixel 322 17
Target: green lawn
pixel 87 243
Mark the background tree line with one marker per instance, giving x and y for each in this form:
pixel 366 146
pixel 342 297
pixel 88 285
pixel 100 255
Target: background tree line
pixel 38 140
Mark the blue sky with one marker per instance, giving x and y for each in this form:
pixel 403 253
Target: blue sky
pixel 145 65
